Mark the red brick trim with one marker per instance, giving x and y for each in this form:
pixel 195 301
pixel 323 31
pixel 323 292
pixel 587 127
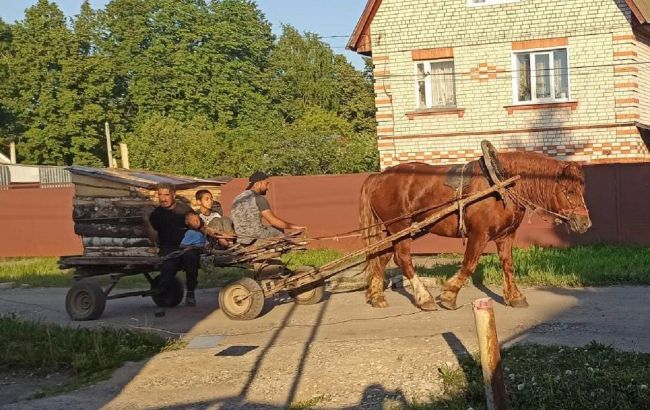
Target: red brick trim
pixel 626 69
pixel 385 130
pixel 432 53
pixel 384 116
pixel 626 101
pixel 628 53
pixel 540 43
pixel 625 37
pixel 516 131
pixel 627 117
pixel 619 160
pixel 573 105
pixel 436 111
pixel 381 73
pixel 383 87
pixel 383 101
pixel 628 84
pixel 627 132
pixel 379 59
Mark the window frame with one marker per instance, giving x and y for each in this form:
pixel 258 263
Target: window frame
pixel 533 78
pixel 428 86
pixel 486 3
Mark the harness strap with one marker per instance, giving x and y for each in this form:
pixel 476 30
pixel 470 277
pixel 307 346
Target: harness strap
pixel 462 229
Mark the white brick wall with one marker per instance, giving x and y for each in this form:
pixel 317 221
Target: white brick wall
pixel 599 35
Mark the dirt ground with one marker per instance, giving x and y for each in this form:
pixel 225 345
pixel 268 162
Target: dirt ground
pixel 338 354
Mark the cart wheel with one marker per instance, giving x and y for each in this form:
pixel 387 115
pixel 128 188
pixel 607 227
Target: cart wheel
pixel 85 301
pixel 310 294
pixel 242 299
pixel 171 297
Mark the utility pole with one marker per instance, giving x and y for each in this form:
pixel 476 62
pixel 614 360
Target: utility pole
pixel 109 148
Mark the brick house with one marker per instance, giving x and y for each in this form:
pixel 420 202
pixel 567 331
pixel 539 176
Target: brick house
pixel 568 78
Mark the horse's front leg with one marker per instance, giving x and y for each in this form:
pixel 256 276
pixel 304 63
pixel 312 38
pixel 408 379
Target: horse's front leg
pixel 511 295
pixel 421 295
pixel 475 244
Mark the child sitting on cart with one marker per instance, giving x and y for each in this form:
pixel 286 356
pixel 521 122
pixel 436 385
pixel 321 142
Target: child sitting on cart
pixel 193 237
pixel 211 214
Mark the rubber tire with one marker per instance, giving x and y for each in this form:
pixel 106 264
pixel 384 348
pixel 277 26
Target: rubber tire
pixel 250 308
pixel 310 294
pixel 174 295
pixel 85 300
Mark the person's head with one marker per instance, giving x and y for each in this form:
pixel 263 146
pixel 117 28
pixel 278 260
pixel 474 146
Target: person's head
pixel 166 195
pixel 258 182
pixel 192 220
pixel 204 198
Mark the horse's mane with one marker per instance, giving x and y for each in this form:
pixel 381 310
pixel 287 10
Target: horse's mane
pixel 539 174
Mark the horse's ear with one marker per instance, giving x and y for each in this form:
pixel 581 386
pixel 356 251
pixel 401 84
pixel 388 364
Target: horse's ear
pixel 572 171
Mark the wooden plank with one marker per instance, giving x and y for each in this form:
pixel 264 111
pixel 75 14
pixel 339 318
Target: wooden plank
pixel 116 242
pixel 90 191
pixel 109 230
pixel 94 251
pixel 97 182
pixel 95 211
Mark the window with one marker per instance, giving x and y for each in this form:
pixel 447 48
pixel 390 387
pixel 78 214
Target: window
pixel 541 76
pixel 434 83
pixel 478 3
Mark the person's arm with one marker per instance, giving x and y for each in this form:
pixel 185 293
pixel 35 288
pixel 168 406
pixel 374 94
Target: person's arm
pixel 278 222
pixel 151 224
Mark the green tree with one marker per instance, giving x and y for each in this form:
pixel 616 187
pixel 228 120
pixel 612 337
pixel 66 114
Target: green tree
pixel 41 45
pixel 7 120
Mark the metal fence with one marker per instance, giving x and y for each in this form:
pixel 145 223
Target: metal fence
pixel 16 176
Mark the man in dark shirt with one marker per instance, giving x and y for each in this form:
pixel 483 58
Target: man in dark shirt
pixel 168 223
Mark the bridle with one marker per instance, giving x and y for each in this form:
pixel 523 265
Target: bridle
pixel 564 215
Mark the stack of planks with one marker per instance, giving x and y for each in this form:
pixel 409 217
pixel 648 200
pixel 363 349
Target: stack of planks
pixel 109 207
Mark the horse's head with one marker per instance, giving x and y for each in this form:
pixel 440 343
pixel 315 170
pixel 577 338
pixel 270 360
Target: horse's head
pixel 568 199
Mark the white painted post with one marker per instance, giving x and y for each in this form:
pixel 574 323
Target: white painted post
pixel 495 390
pixel 124 153
pixel 12 152
pixel 109 148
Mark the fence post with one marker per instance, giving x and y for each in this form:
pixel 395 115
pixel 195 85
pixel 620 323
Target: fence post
pixel 109 147
pixel 495 390
pixel 12 152
pixel 124 154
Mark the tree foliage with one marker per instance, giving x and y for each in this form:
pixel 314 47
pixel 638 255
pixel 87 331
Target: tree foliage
pixel 194 86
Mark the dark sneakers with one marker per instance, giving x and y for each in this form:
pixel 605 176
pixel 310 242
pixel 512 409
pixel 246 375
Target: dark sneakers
pixel 190 300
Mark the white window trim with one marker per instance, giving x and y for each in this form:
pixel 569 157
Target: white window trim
pixel 470 3
pixel 534 100
pixel 428 93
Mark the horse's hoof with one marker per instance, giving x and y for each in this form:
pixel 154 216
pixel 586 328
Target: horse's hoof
pixel 429 305
pixel 379 303
pixel 447 304
pixel 517 303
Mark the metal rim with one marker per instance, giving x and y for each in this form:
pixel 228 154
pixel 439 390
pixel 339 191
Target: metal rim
pixel 237 299
pixel 82 301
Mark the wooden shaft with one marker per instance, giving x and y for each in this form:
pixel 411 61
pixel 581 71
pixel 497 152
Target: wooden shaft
pixel 495 390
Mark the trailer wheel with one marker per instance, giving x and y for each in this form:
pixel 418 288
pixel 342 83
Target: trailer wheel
pixel 310 294
pixel 242 299
pixel 85 300
pixel 171 297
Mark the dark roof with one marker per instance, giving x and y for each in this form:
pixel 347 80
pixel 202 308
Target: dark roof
pixel 146 179
pixel 640 8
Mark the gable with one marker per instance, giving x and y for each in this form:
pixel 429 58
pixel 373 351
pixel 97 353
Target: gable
pixel 360 40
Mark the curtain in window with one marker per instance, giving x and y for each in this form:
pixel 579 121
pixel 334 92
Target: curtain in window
pixel 561 74
pixel 422 94
pixel 523 71
pixel 442 84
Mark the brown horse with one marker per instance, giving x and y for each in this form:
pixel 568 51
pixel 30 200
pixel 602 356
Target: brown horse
pixel 405 189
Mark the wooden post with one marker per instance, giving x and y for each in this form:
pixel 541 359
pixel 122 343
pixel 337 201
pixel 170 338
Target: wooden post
pixel 109 148
pixel 12 152
pixel 495 390
pixel 124 153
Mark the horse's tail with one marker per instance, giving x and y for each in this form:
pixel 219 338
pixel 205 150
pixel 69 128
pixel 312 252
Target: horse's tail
pixel 371 228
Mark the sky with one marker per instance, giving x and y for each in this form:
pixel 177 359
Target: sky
pixel 324 17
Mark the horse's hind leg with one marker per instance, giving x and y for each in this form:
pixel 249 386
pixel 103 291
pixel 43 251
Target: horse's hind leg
pixel 375 291
pixel 421 295
pixel 511 294
pixel 475 245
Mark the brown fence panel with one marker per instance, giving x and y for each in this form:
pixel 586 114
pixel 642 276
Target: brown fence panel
pixel 37 222
pixel 616 195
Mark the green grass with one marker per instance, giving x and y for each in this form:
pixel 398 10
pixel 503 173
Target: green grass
pixel 86 355
pixel 44 272
pixel 541 377
pixel 578 266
